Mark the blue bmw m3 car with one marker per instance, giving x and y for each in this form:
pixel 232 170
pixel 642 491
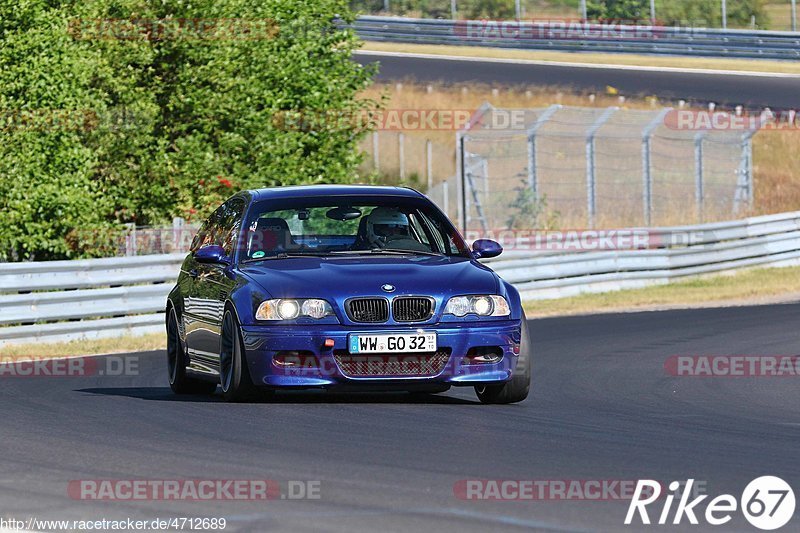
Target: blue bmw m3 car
pixel 342 287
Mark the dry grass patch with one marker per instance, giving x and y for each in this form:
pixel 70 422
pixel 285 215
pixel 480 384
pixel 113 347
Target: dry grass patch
pixel 142 343
pixel 746 287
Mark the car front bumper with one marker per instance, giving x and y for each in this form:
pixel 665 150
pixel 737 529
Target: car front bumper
pixel 321 364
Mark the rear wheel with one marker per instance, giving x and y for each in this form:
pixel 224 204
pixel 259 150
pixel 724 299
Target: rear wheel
pixel 179 382
pixel 518 388
pixel 233 373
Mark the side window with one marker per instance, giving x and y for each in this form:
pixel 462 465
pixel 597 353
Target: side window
pixel 205 235
pixel 228 223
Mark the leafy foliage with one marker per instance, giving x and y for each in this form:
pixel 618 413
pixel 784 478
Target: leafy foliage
pixel 526 211
pixel 698 13
pixel 105 121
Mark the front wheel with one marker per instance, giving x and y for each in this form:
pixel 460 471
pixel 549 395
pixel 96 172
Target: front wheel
pixel 518 388
pixel 179 382
pixel 233 374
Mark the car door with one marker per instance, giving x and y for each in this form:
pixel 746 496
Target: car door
pixel 210 287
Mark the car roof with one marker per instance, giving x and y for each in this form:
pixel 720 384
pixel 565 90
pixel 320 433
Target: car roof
pixel 312 191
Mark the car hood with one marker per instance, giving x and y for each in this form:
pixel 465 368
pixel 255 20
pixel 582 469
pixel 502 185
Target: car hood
pixel 344 277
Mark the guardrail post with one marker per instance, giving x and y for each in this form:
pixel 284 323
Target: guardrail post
pixel 453 9
pixel 794 15
pixel 533 178
pixel 647 170
pixel 591 207
pixel 699 192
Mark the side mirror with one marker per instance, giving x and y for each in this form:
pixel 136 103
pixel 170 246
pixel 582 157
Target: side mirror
pixel 211 254
pixel 486 248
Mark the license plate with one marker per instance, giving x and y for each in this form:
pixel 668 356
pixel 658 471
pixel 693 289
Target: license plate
pixel 393 343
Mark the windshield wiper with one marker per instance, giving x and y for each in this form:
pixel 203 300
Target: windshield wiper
pixel 284 255
pixel 392 251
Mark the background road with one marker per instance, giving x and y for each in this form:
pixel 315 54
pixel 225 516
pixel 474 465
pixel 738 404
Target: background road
pixel 602 408
pixel 730 90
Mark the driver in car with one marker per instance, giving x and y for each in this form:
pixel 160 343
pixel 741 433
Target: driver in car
pixel 389 228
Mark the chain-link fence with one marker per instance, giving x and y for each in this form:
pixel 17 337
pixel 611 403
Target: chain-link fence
pixel 601 167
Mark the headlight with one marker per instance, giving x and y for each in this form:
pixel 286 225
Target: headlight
pixel 289 309
pixel 488 305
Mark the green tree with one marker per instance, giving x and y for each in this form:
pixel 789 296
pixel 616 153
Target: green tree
pixel 709 13
pixel 626 10
pixel 170 123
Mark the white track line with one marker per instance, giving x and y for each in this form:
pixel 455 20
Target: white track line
pixel 603 66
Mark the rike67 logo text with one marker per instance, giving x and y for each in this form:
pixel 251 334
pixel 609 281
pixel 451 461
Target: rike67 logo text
pixel 767 503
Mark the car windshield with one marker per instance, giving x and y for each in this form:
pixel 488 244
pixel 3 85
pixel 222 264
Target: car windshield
pixel 333 227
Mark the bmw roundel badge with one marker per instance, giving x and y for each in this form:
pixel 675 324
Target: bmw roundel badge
pixel 387 288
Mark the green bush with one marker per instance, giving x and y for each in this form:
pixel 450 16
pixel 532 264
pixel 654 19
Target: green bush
pixel 98 130
pixel 697 13
pixel 708 13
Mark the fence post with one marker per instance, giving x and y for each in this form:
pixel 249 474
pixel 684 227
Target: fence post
pixel 429 163
pixel 401 154
pixel 460 176
pixel 130 240
pixel 177 234
pixel 376 161
pixel 744 186
pixel 533 178
pixel 724 14
pixel 591 203
pixel 446 197
pixel 647 169
pixel 699 185
pixel 453 9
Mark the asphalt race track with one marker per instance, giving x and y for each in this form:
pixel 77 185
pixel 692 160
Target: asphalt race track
pixel 749 91
pixel 603 408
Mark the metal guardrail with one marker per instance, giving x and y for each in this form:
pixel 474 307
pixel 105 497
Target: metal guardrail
pixel 536 35
pixel 54 301
pixel 64 300
pixel 772 240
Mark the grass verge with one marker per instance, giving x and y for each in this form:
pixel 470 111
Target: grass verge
pixel 155 341
pixel 592 58
pixel 747 287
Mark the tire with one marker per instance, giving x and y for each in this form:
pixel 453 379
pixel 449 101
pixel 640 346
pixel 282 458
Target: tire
pixel 179 382
pixel 233 373
pixel 517 389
